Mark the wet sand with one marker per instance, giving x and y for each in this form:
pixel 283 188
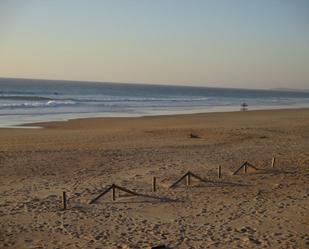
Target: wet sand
pixel 265 208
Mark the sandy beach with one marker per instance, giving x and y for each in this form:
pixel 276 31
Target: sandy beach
pixel 265 208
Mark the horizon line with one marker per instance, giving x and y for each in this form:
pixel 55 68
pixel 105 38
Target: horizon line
pixel 157 84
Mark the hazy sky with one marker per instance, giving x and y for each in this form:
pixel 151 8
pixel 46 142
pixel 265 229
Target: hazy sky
pixel 224 43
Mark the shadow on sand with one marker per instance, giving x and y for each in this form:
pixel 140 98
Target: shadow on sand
pixel 273 172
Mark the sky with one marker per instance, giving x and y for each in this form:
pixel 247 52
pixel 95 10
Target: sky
pixel 220 43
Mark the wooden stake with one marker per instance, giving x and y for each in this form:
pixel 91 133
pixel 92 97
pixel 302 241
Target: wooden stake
pixel 154 184
pixel 219 171
pixel 114 192
pixel 273 162
pixel 188 179
pixel 245 168
pixel 64 200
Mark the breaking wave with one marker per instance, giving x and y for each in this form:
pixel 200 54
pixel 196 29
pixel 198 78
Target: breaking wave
pixel 34 104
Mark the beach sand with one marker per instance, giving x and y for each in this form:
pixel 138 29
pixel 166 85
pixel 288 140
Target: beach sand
pixel 266 208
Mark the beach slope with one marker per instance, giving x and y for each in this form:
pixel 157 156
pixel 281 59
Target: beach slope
pixel 265 208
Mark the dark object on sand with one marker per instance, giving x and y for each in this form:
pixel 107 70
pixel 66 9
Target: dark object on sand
pixel 194 135
pixel 160 247
pixel 244 107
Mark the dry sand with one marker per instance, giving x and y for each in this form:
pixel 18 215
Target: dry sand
pixel 267 208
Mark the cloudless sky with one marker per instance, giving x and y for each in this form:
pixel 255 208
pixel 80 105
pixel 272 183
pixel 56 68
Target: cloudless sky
pixel 223 43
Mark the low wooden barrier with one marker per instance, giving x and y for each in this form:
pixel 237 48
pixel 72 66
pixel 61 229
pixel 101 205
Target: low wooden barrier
pixel 245 166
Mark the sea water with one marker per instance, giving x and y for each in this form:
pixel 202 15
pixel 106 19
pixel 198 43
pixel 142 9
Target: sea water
pixel 28 101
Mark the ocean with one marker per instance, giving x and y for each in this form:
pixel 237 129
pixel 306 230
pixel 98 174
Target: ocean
pixel 29 101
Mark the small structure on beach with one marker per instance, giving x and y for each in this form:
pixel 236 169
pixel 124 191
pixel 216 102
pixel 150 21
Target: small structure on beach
pixel 113 188
pixel 245 167
pixel 187 176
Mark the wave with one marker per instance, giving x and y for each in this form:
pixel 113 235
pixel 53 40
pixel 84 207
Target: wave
pixel 102 98
pixel 28 93
pixel 29 98
pixel 105 101
pixel 50 103
pixel 137 99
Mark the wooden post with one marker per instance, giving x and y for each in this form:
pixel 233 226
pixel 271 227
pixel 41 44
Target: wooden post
pixel 219 171
pixel 114 192
pixel 188 179
pixel 64 200
pixel 245 168
pixel 154 184
pixel 273 162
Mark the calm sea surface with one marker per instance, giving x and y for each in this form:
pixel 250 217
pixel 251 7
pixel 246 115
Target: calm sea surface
pixel 26 101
